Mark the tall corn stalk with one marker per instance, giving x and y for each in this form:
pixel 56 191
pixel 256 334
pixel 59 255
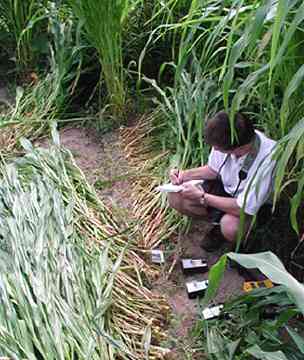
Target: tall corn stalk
pixel 253 51
pixel 290 150
pixel 17 16
pixel 184 108
pixel 103 21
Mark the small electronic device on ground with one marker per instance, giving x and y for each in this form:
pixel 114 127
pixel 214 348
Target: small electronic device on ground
pixel 212 312
pixel 194 266
pixel 250 285
pixel 196 288
pixel 157 256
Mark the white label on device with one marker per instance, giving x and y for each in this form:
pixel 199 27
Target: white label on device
pixel 192 263
pixel 157 256
pixel 196 286
pixel 212 312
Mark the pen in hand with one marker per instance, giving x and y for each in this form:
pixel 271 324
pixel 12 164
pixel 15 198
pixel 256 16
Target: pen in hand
pixel 179 176
pixel 176 176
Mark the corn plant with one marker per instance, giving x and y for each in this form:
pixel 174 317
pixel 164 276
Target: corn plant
pixel 55 294
pixel 290 152
pixel 35 106
pixel 102 21
pixel 65 51
pixel 253 47
pixel 184 108
pixel 251 327
pixel 47 97
pixel 251 51
pixel 17 16
pixel 69 291
pixel 260 338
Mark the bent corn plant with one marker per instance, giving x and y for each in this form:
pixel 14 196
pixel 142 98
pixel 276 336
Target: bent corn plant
pixel 69 288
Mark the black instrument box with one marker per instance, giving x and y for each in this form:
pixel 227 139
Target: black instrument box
pixel 196 288
pixel 194 266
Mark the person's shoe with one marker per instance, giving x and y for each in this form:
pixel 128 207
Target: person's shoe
pixel 213 240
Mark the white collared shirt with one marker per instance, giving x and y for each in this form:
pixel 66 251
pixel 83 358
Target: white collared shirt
pixel 257 188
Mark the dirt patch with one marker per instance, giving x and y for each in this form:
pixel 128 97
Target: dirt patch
pixel 171 283
pixel 102 161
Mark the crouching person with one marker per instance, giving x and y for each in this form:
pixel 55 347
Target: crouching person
pixel 239 174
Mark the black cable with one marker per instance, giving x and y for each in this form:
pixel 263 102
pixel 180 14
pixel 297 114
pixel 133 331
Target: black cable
pixel 221 167
pixel 242 176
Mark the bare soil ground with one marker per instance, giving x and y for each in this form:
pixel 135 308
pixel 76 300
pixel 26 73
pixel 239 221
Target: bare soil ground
pixel 185 311
pixel 102 160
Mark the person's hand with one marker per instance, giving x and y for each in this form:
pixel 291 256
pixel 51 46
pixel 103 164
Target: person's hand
pixel 192 192
pixel 176 176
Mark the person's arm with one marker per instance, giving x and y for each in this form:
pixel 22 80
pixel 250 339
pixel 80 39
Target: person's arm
pixel 201 173
pixel 226 204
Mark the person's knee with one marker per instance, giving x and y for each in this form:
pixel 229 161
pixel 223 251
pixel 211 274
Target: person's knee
pixel 229 227
pixel 186 207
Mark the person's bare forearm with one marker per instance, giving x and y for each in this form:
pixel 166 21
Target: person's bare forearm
pixel 226 204
pixel 202 172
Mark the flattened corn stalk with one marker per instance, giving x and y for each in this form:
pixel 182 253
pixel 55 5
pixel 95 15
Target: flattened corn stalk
pixel 149 206
pixel 66 272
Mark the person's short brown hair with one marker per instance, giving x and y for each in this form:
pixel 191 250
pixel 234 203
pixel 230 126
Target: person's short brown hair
pixel 218 131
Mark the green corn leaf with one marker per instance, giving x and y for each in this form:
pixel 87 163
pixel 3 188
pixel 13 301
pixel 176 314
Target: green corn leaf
pixel 272 267
pixel 232 348
pixel 258 353
pixel 258 23
pixel 281 13
pixel 245 87
pixel 295 204
pixel 214 278
pixel 297 20
pixel 285 149
pixel 299 341
pixel 293 85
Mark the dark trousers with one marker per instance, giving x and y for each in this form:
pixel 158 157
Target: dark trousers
pixel 215 187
